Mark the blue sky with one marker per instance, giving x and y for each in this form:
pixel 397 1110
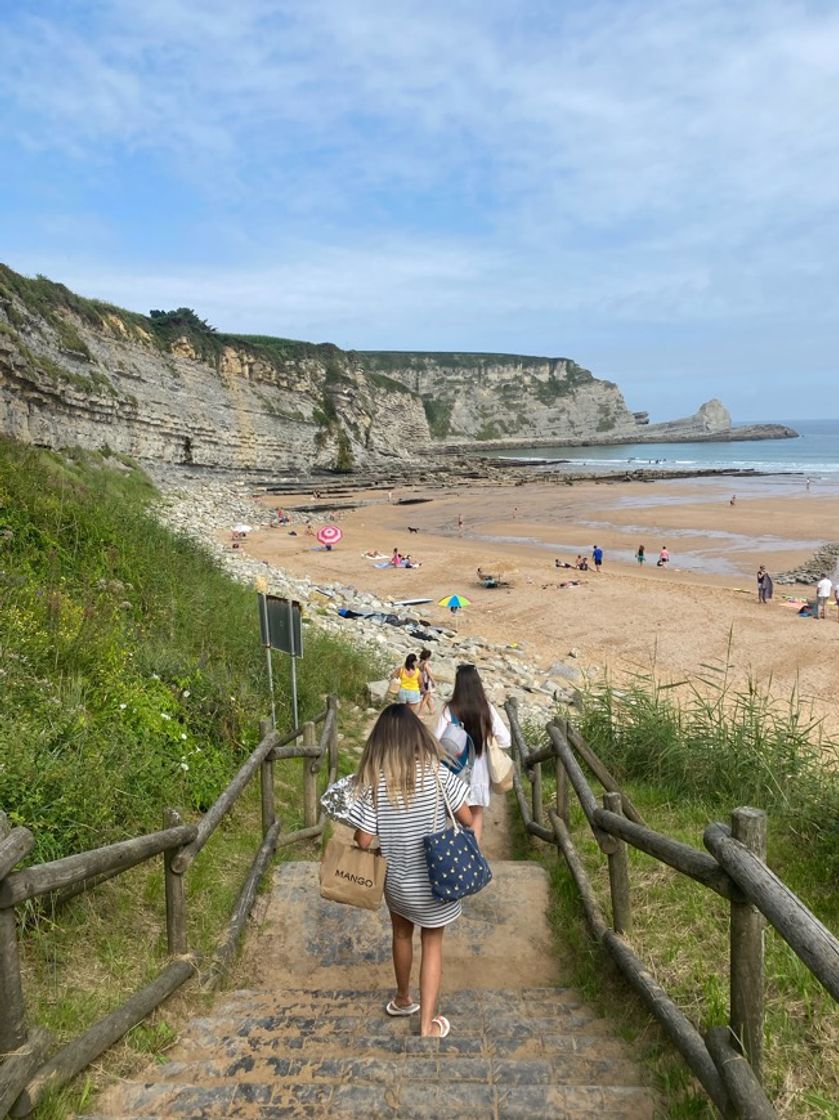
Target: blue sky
pixel 650 187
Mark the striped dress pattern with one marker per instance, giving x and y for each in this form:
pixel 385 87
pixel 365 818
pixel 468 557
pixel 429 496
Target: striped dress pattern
pixel 401 830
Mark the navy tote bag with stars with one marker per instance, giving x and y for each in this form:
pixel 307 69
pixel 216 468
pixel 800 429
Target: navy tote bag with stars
pixel 456 866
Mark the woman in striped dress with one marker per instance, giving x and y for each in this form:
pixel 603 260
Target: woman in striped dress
pixel 400 801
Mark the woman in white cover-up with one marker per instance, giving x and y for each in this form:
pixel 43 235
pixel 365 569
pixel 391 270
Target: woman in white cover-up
pixel 482 722
pixel 400 801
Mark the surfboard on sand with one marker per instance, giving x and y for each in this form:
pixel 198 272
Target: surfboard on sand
pixel 409 602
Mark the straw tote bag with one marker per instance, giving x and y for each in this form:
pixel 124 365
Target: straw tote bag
pixel 500 767
pixel 352 875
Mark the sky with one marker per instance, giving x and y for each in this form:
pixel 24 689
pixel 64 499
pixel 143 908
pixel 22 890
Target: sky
pixel 649 187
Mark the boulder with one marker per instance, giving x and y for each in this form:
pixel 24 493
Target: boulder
pixel 377 691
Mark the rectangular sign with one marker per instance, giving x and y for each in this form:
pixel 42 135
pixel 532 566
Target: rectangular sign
pixel 281 624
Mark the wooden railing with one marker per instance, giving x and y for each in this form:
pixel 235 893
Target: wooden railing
pixel 727 1062
pixel 29 1070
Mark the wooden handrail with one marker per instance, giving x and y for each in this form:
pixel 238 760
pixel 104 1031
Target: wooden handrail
pixel 223 804
pixel 736 870
pixel 46 877
pixel 812 942
pixel 24 1076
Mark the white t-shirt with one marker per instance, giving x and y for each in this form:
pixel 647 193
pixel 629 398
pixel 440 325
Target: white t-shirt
pixel 824 588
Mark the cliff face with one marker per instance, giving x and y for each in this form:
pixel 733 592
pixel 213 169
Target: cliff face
pixel 506 396
pixel 77 372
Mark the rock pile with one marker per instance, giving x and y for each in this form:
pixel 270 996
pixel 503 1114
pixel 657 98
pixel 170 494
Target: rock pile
pixel 201 507
pixel 823 563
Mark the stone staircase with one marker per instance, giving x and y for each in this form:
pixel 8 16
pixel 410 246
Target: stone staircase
pixel 525 1053
pixel 310 1037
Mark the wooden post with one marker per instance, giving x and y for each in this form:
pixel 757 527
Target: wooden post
pixel 310 779
pixel 266 783
pixel 562 786
pixel 618 873
pixel 536 791
pixel 746 948
pixel 176 940
pixel 13 1016
pixel 332 702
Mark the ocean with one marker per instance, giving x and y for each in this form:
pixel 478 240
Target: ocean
pixel 814 455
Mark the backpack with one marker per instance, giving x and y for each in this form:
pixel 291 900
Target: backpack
pixel 458 748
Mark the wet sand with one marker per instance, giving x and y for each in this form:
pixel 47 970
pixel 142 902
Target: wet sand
pixel 702 609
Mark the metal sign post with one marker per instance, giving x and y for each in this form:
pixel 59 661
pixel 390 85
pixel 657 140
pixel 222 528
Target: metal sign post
pixel 281 627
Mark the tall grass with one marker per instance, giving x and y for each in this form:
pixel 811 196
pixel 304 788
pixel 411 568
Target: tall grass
pixel 131 671
pixel 709 741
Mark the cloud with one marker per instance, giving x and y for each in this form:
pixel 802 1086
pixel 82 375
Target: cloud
pixel 527 171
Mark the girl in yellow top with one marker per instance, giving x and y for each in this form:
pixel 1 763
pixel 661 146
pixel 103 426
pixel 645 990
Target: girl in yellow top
pixel 408 676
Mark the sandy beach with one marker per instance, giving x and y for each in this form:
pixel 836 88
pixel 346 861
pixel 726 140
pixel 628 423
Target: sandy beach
pixel 702 609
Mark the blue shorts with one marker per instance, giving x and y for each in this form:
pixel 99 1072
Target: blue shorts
pixel 408 696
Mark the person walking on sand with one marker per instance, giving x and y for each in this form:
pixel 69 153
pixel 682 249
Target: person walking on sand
pixel 597 557
pixel 408 676
pixel 663 557
pixel 470 708
pixel 764 585
pixel 640 555
pixel 427 683
pixel 823 590
pixel 398 799
pixel 460 523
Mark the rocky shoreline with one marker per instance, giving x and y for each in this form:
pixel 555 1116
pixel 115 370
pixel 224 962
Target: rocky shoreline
pixel 824 562
pixel 203 508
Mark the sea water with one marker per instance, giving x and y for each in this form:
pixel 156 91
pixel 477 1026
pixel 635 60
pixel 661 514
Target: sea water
pixel 814 454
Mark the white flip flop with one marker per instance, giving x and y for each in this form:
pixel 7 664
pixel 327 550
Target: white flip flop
pixel 395 1011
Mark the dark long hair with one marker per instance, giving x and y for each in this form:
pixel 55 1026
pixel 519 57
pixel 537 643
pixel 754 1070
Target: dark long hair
pixel 470 705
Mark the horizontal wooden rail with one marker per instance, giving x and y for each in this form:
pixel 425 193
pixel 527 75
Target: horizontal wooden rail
pixel 18 843
pixel 223 804
pixel 73 1058
pixel 293 752
pixel 47 877
pixel 679 1028
pixel 811 941
pixel 689 861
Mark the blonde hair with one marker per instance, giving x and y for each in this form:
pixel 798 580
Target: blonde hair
pixel 397 742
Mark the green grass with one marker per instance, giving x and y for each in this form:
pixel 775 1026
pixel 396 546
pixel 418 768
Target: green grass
pixel 688 756
pixel 133 679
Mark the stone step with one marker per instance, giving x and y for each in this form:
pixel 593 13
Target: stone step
pixel 402 1040
pixel 403 1101
pixel 443 1065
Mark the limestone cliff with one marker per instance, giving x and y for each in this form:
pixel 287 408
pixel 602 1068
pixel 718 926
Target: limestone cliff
pixel 167 387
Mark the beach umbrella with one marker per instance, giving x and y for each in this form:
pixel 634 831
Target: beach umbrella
pixel 329 535
pixel 455 601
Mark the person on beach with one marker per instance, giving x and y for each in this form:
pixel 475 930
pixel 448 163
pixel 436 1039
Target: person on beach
pixel 398 784
pixel 823 591
pixel 597 557
pixel 408 676
pixel 470 708
pixel 764 585
pixel 732 501
pixel 427 683
pixel 663 557
pixel 396 558
pixel 460 523
pixel 581 563
pixel 640 555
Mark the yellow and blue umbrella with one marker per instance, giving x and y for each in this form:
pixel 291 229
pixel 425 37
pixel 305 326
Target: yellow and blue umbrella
pixel 454 602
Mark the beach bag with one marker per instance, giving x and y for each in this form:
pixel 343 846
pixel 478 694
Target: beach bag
pixel 456 865
pixel 500 767
pixel 458 748
pixel 351 875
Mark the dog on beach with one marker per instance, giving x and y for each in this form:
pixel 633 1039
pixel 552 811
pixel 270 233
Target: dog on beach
pixel 411 529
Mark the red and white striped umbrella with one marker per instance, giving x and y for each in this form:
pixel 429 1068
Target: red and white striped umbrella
pixel 329 534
